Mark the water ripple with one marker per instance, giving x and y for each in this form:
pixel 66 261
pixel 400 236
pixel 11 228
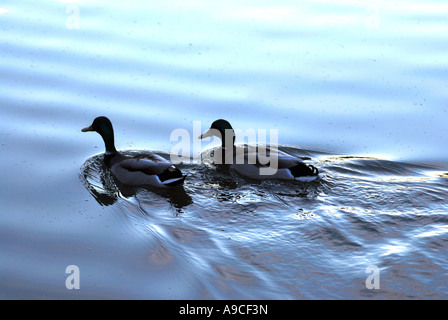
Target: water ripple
pixel 359 89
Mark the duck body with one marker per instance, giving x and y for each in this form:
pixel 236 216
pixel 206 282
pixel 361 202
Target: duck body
pixel 142 169
pixel 257 162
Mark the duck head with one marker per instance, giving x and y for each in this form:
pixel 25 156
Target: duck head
pixel 221 129
pixel 103 126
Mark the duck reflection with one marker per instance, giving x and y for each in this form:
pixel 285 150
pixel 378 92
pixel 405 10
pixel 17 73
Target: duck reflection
pixel 106 189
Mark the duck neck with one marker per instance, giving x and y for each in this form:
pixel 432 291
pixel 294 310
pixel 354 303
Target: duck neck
pixel 227 147
pixel 228 139
pixel 109 142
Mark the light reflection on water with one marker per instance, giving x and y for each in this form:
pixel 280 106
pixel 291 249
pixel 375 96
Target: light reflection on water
pixel 359 87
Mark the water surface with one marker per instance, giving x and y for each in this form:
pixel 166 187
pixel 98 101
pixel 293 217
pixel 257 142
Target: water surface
pixel 359 87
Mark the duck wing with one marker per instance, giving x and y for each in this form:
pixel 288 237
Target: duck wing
pixel 263 156
pixel 150 164
pixel 282 161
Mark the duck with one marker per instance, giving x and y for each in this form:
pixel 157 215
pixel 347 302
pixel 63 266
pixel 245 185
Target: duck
pixel 141 169
pixel 251 161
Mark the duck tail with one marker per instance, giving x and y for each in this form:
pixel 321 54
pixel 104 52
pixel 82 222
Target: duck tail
pixel 314 170
pixel 174 182
pixel 303 170
pixel 171 177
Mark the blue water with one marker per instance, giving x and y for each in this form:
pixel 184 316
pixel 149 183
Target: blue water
pixel 359 87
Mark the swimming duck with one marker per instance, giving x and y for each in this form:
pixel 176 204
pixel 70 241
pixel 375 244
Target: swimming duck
pixel 142 169
pixel 250 162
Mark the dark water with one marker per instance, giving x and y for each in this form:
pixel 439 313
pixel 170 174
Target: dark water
pixel 261 240
pixel 358 87
pixel 276 239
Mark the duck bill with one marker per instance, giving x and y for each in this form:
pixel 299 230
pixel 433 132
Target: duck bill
pixel 210 133
pixel 89 128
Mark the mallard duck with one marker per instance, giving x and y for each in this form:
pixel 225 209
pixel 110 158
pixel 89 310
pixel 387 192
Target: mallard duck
pixel 142 169
pixel 249 161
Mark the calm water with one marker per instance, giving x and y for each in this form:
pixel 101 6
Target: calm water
pixel 360 87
